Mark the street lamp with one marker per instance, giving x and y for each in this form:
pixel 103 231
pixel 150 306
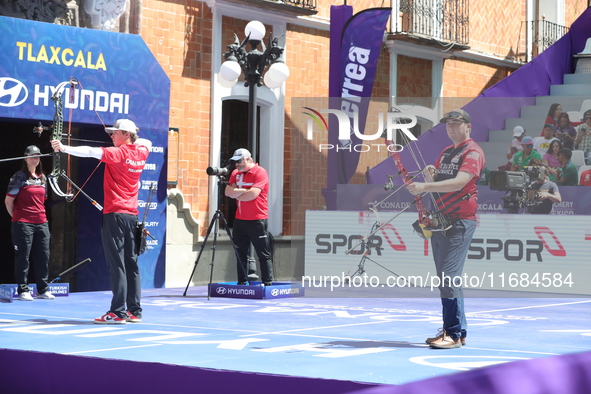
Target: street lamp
pixel 253 63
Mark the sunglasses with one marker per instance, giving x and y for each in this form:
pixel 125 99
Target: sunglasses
pixel 455 115
pixel 239 161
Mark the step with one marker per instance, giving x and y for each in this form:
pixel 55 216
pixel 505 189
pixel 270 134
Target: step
pixel 539 112
pixel 504 136
pixel 577 79
pixel 570 103
pixel 536 111
pixel 533 126
pixel 571 90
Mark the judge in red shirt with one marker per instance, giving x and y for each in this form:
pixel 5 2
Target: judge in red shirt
pixel 124 163
pixel 25 202
pixel 249 185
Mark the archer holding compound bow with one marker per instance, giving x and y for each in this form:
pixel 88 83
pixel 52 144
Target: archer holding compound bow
pixel 453 180
pixel 124 164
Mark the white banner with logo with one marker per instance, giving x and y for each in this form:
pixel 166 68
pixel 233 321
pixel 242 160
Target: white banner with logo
pixel 520 253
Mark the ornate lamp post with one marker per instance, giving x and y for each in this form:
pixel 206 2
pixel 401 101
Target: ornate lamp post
pixel 253 63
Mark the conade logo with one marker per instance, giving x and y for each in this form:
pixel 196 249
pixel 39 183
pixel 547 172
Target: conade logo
pixel 12 92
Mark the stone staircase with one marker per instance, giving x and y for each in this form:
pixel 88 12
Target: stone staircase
pixel 571 95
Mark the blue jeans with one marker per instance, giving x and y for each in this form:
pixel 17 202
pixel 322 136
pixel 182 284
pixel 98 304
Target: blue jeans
pixel 449 252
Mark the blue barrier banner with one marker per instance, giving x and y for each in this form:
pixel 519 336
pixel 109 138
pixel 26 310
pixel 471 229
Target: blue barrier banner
pixel 118 78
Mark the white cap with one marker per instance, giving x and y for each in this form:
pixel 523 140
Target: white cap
pixel 241 154
pixel 518 131
pixel 123 125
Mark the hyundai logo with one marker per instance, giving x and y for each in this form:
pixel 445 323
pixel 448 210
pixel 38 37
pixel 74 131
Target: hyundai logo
pixel 221 290
pixel 12 92
pixel 275 292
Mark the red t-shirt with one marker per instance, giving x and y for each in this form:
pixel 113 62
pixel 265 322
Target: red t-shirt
pixel 259 207
pixel 29 195
pixel 124 165
pixel 585 178
pixel 466 157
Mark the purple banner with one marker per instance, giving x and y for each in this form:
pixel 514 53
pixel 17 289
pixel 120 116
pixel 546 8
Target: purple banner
pixel 361 43
pixel 339 15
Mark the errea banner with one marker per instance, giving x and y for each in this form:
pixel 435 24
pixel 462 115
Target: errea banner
pixel 119 77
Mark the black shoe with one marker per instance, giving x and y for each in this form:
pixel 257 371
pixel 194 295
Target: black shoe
pixel 241 283
pixel 268 284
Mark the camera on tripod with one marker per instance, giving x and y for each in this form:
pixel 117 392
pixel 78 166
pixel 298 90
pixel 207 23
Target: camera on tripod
pixel 221 172
pixel 516 184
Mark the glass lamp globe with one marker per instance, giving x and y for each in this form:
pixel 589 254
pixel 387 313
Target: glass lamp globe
pixel 225 83
pixel 269 82
pixel 256 30
pixel 278 72
pixel 230 70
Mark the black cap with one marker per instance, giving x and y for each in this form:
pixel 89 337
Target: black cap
pixel 32 150
pixel 456 114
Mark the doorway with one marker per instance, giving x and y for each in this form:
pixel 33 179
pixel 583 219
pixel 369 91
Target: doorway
pixel 234 135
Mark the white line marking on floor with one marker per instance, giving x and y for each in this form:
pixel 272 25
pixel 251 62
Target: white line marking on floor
pixel 532 306
pixel 112 349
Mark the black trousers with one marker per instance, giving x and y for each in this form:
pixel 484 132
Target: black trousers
pixel 118 234
pixel 31 239
pixel 255 232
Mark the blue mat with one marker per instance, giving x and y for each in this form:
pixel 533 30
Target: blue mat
pixel 371 341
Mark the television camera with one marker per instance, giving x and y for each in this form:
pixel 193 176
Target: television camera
pixel 517 184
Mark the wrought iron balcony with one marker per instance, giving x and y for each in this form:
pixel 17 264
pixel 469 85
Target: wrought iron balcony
pixel 543 34
pixel 297 7
pixel 439 20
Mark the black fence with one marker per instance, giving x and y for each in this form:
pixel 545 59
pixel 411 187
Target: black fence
pixel 544 34
pixel 446 21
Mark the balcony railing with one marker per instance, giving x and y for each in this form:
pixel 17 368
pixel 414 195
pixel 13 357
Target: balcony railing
pixel 543 34
pixel 306 4
pixel 441 20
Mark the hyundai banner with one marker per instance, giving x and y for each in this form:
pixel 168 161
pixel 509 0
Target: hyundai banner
pixel 116 77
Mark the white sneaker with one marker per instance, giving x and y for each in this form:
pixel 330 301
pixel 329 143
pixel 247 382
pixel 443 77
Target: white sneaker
pixel 26 296
pixel 46 296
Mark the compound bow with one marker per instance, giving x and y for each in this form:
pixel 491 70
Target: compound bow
pixel 57 134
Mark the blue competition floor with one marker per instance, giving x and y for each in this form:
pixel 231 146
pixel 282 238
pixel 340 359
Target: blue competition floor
pixel 364 340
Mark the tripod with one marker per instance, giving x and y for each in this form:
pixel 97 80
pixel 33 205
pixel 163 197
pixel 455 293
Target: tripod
pixel 214 225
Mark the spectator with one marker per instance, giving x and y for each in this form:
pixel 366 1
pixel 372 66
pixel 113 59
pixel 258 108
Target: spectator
pixel 550 159
pixel 553 114
pixel 565 131
pixel 585 179
pixel 518 134
pixel 541 144
pixel 583 139
pixel 569 176
pixel 522 158
pixel 485 177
